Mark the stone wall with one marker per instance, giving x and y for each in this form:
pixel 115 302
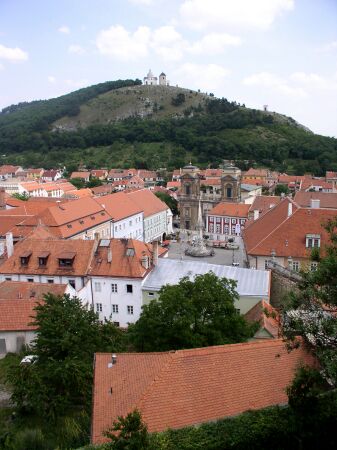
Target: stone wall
pixel 281 286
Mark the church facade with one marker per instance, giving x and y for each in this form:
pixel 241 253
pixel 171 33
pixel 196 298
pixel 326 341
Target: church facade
pixel 151 80
pixel 209 192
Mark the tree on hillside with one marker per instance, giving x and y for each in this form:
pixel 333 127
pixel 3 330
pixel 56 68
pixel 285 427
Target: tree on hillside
pixel 170 201
pixel 311 311
pixel 60 379
pixel 190 314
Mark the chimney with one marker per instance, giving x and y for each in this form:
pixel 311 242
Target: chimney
pixel 315 203
pixel 256 214
pixel 109 254
pixel 155 252
pixel 113 359
pixel 9 244
pixel 290 209
pixel 2 199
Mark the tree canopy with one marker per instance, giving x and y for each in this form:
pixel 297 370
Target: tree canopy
pixel 191 314
pixel 60 379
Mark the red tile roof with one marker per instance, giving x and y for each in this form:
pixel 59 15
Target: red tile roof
pixel 327 199
pixel 188 387
pixel 263 203
pixel 213 173
pixel 17 302
pixel 286 235
pixel 267 317
pixel 55 247
pixel 230 210
pixel 211 182
pixel 173 184
pixel 126 259
pixel 80 175
pixel 148 201
pixel 256 173
pixel 119 206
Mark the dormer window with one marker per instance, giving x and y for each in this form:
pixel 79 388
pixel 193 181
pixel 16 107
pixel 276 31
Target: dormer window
pixel 313 240
pixel 66 259
pixel 24 258
pixel 130 252
pixel 43 257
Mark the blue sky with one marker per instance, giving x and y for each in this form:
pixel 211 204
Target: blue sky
pixel 282 53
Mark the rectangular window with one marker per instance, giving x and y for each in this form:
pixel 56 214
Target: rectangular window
pixel 97 287
pixel 129 289
pixel 99 307
pixel 114 287
pixel 8 279
pixel 130 309
pixel 218 228
pixel 116 324
pixel 30 280
pixel 150 294
pixel 72 283
pixel 313 266
pixel 115 309
pixel 266 264
pixel 50 281
pixel 296 266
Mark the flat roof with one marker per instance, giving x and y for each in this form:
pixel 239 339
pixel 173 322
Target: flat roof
pixel 250 282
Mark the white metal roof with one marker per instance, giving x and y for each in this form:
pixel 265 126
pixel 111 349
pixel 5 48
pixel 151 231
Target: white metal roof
pixel 169 271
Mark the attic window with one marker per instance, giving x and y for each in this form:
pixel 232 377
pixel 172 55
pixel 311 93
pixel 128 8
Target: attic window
pixel 92 217
pixel 43 257
pixel 81 222
pixel 24 258
pixel 66 259
pixel 69 225
pixel 313 240
pixel 130 252
pixel 102 213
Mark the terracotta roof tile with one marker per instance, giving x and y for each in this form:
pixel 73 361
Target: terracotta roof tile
pixel 267 316
pixel 17 302
pixel 230 210
pixel 188 387
pixel 327 199
pixel 263 203
pixel 148 201
pixel 119 205
pixel 55 247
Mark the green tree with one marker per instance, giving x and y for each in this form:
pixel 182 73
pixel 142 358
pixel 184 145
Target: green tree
pixel 310 311
pixel 24 197
pixel 79 183
pixel 128 433
pixel 170 201
pixel 67 336
pixel 190 314
pixel 281 189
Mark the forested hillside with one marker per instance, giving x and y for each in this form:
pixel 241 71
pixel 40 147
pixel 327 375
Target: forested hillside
pixel 121 123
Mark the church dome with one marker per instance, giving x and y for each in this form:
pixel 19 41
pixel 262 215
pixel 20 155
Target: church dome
pixel 162 74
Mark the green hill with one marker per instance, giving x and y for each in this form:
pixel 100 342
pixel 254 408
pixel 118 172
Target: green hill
pixel 123 123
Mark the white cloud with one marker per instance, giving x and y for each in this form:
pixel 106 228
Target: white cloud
pixel 51 79
pixel 13 54
pixel 119 43
pixel 77 49
pixel 274 82
pixel 214 43
pixel 330 46
pixel 1 67
pixel 207 77
pixel 210 14
pixel 64 29
pixel 164 42
pixel 314 81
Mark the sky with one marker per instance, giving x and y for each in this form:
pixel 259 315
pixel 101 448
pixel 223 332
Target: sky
pixel 280 53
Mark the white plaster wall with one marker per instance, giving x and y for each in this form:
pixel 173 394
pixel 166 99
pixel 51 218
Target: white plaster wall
pixel 104 295
pixel 130 227
pixel 155 226
pixel 79 281
pixel 10 338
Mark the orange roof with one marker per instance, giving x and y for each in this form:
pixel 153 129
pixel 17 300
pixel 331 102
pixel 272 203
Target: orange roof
pixel 256 173
pixel 308 183
pixel 99 172
pixel 263 203
pixel 173 184
pixel 119 205
pixel 331 175
pixel 80 175
pixel 213 173
pixel 100 190
pixel 252 182
pixel 230 210
pixel 17 302
pixel 55 247
pixel 270 321
pixel 188 387
pixel 148 201
pixel 327 199
pixel 126 259
pixel 6 169
pixel 286 235
pixel 211 182
pixel 79 193
pixel 285 179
